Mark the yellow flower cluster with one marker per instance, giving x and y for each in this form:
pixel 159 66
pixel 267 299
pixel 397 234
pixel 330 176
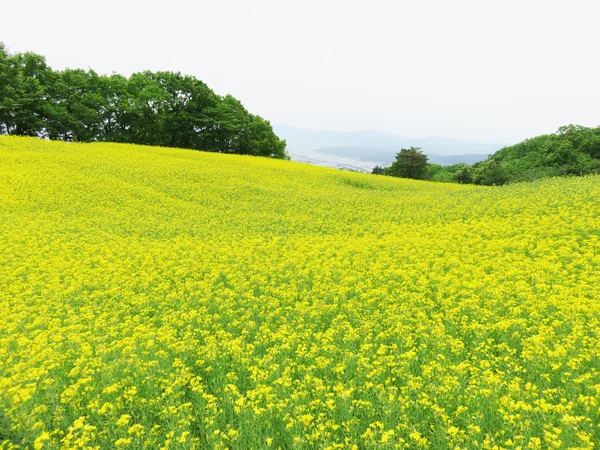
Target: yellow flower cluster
pixel 160 298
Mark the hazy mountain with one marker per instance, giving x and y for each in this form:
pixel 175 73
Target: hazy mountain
pixel 362 150
pixel 313 139
pixel 387 156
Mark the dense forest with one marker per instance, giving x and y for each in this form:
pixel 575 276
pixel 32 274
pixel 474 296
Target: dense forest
pixel 153 108
pixel 572 150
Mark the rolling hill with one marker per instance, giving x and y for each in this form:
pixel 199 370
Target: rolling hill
pixel 154 297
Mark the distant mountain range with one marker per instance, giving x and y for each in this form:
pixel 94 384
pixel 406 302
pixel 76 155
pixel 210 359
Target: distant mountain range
pixel 388 156
pixel 362 150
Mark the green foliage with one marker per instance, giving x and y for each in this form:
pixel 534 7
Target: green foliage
pixel 24 79
pixel 410 163
pixel 154 108
pixel 378 170
pixel 433 170
pixel 443 174
pixel 572 150
pixel 464 176
pixel 492 173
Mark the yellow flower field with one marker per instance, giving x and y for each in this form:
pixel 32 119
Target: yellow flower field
pixel 161 298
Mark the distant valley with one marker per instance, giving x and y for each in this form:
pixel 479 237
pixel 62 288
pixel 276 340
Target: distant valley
pixel 387 156
pixel 362 150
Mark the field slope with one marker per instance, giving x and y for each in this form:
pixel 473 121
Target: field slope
pixel 154 297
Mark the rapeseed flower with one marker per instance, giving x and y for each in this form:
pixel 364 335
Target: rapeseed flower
pixel 163 298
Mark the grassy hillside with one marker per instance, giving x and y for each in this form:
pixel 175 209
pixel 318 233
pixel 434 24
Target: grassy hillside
pixel 168 298
pixel 572 150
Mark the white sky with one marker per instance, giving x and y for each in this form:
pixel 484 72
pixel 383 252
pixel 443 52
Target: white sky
pixel 489 70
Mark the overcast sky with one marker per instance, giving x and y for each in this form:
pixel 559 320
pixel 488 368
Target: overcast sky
pixel 489 70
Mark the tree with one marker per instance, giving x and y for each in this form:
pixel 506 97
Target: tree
pixel 6 79
pixel 464 176
pixel 23 96
pixel 378 170
pixel 153 108
pixel 492 174
pixel 410 163
pixel 434 171
pixel 591 145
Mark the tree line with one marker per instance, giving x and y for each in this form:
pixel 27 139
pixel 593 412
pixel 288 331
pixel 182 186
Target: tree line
pixel 151 108
pixel 572 150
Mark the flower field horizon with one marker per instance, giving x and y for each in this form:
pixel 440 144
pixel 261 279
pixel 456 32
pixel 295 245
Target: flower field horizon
pixel 168 298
